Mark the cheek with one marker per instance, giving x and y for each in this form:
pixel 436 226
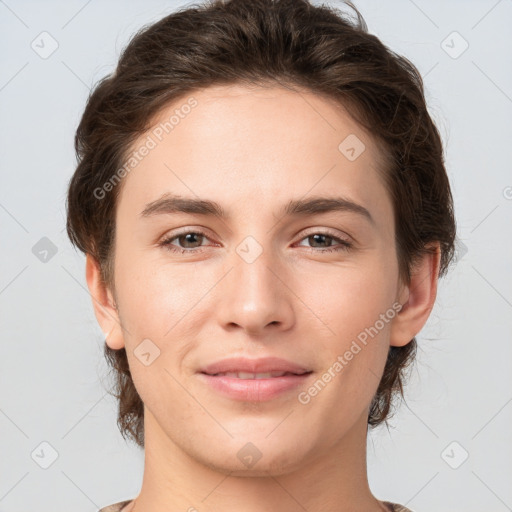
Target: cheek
pixel 353 314
pixel 160 302
pixel 156 303
pixel 343 302
pixel 156 294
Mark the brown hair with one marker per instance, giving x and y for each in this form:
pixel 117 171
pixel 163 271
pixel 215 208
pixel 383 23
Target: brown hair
pixel 280 42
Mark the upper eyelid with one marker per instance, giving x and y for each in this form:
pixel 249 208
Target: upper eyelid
pixel 306 232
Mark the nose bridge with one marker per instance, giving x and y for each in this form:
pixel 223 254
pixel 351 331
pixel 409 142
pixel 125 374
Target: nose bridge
pixel 255 281
pixel 256 296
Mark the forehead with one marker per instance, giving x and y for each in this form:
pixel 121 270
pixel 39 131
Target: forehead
pixel 252 147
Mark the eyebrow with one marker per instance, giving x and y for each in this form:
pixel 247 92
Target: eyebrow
pixel 169 204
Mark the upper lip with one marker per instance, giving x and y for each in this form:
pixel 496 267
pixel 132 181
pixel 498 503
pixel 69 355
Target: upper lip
pixel 260 365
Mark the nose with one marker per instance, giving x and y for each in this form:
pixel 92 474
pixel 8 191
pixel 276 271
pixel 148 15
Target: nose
pixel 256 296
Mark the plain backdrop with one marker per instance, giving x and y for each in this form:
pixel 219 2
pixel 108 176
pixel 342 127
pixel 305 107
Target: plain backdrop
pixel 449 446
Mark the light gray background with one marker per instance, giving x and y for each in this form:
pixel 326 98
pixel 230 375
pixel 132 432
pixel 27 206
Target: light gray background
pixel 52 373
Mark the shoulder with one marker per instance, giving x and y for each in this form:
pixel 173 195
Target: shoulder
pixel 396 507
pixel 116 507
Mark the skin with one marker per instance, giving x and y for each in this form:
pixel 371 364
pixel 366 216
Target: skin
pixel 252 150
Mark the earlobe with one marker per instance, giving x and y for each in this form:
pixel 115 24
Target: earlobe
pixel 419 297
pixel 103 303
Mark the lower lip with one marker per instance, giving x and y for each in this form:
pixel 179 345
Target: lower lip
pixel 254 390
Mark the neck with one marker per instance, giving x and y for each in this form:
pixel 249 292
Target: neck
pixel 334 481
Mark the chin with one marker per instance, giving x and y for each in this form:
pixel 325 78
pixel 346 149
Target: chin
pixel 253 455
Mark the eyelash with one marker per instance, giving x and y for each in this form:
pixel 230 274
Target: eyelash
pixel 166 243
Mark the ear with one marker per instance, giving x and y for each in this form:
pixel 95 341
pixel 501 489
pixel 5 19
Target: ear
pixel 104 305
pixel 417 299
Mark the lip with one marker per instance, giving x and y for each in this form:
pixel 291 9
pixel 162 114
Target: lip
pixel 254 390
pixel 260 365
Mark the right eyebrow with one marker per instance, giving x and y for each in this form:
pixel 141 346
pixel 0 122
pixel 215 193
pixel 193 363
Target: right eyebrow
pixel 176 204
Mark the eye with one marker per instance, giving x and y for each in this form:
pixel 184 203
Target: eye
pixel 326 237
pixel 186 237
pixel 194 239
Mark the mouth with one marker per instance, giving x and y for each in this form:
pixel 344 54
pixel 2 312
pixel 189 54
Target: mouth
pixel 254 380
pixel 260 366
pixel 249 375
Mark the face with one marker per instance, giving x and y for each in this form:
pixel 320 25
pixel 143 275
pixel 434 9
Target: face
pixel 300 266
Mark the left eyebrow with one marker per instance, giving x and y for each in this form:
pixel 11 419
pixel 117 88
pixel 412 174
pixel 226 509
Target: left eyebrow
pixel 317 205
pixel 169 204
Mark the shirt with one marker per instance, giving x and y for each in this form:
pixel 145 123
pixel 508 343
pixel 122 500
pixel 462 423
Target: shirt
pixel 117 507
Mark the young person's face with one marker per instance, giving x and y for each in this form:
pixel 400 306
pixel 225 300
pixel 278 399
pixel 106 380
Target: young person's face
pixel 258 283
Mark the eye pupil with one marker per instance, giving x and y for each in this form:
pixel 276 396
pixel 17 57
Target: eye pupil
pixel 186 240
pixel 186 235
pixel 316 236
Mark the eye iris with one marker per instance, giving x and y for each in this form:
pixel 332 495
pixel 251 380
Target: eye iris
pixel 196 237
pixel 193 235
pixel 315 237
